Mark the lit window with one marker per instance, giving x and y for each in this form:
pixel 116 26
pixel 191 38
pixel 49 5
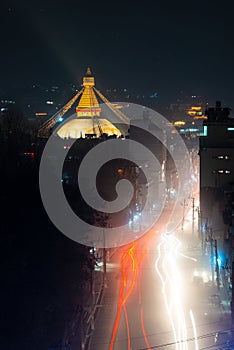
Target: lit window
pixel 222 171
pixel 230 132
pixel 221 157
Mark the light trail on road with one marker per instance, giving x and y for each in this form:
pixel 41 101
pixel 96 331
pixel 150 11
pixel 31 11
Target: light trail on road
pixel 172 289
pixel 171 285
pixel 130 265
pixel 194 329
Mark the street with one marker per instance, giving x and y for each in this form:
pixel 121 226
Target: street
pixel 155 299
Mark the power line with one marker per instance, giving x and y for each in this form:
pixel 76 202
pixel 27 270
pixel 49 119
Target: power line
pixel 208 335
pixel 172 343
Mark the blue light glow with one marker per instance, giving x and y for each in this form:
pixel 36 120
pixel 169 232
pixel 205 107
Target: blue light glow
pixel 204 133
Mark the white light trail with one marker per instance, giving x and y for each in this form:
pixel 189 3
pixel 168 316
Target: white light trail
pixel 172 289
pixel 194 329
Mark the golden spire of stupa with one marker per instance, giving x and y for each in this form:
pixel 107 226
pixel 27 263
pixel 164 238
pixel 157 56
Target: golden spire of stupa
pixel 88 105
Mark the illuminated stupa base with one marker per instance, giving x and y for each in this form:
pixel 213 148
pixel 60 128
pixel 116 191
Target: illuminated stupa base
pixel 88 121
pixel 80 127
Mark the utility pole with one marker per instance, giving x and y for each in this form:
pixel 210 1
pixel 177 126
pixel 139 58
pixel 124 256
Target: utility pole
pixel 193 218
pixel 232 302
pixel 199 227
pixel 203 227
pixel 92 282
pixel 164 155
pixel 217 265
pixel 104 259
pixel 82 332
pixel 212 255
pixel 102 220
pixel 182 222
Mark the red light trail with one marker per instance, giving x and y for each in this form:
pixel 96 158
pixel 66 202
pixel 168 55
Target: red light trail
pixel 130 269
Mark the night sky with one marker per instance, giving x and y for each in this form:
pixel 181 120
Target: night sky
pixel 143 46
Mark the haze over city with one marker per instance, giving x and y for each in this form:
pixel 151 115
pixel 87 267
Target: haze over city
pixel 163 46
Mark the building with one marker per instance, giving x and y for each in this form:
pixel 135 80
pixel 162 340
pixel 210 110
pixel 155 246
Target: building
pixel 216 152
pixel 217 149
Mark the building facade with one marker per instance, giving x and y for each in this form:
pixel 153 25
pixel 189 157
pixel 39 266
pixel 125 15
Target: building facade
pixel 216 152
